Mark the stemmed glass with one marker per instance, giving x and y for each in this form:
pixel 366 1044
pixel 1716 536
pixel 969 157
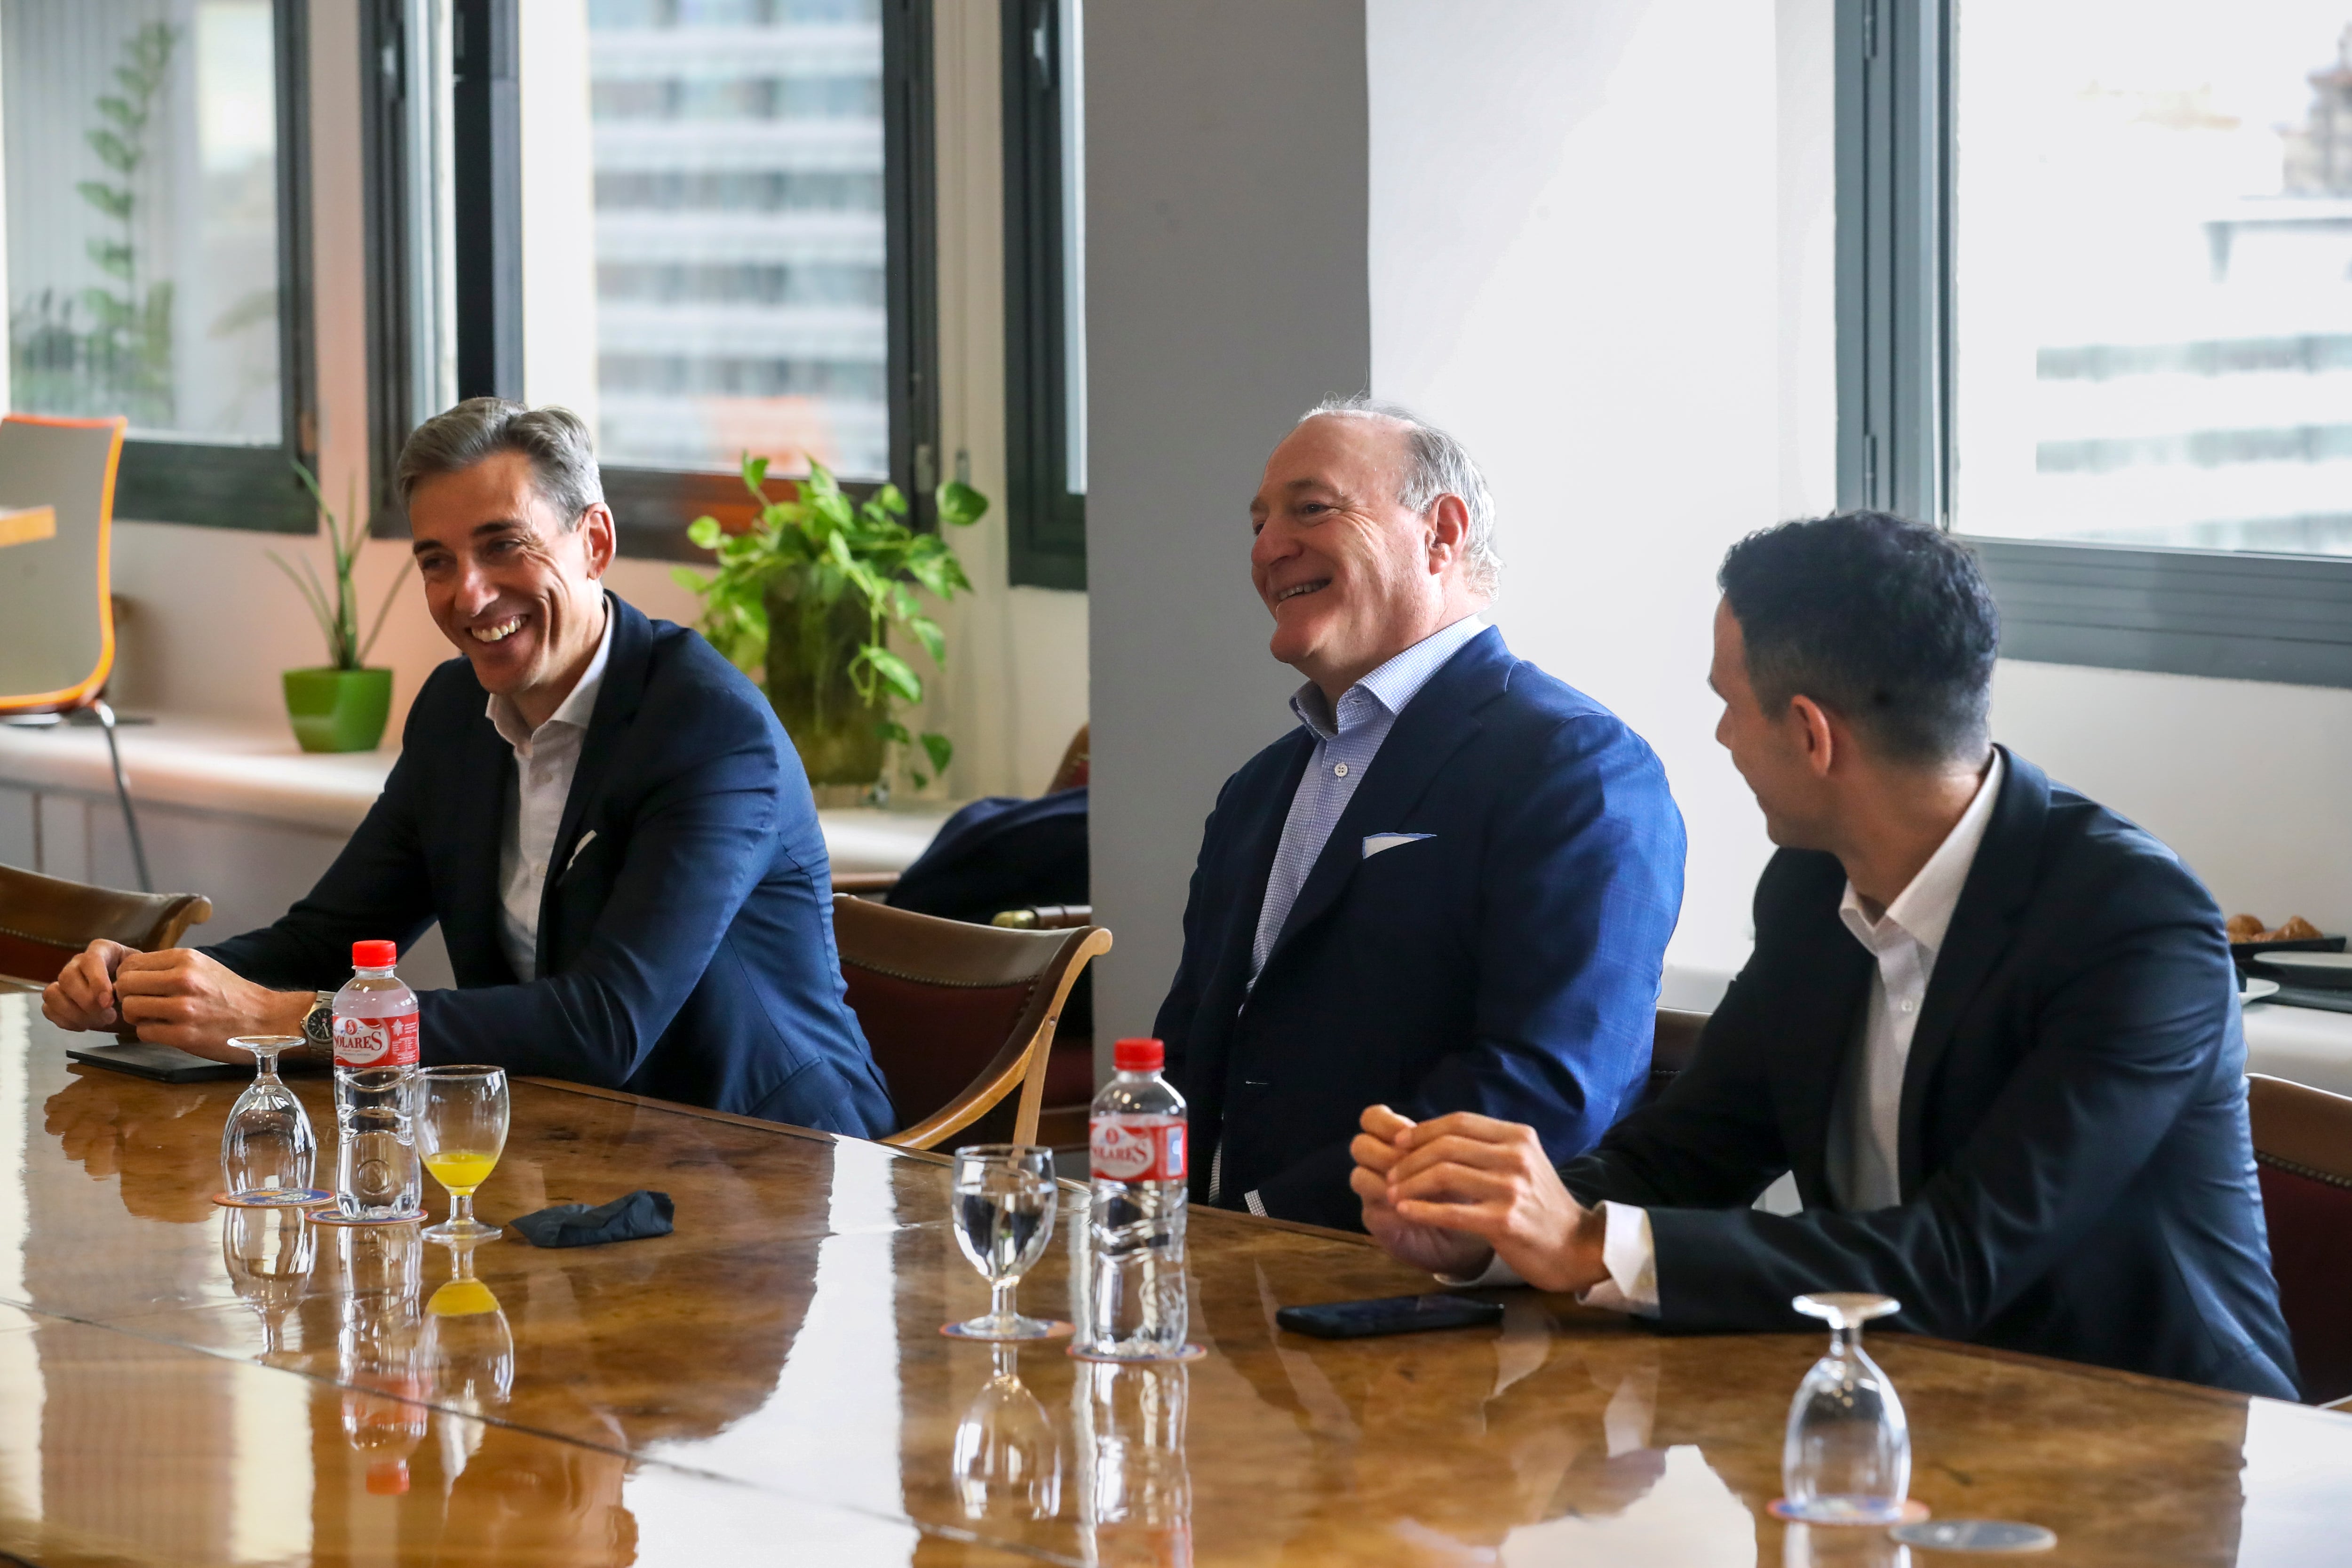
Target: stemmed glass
pixel 1007 1461
pixel 268 1150
pixel 461 1133
pixel 1847 1459
pixel 269 1252
pixel 469 1343
pixel 1005 1199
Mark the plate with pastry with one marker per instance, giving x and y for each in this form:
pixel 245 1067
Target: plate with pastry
pixel 2249 938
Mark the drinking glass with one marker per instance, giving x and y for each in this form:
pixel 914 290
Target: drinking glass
pixel 1847 1459
pixel 1005 1196
pixel 469 1346
pixel 462 1129
pixel 1007 1461
pixel 268 1150
pixel 269 1253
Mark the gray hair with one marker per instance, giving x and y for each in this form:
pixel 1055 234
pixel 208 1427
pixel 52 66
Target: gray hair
pixel 563 458
pixel 1436 465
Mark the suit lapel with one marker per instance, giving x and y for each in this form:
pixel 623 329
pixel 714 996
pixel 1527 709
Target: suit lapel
pixel 1999 882
pixel 1820 1024
pixel 1442 718
pixel 626 670
pixel 486 769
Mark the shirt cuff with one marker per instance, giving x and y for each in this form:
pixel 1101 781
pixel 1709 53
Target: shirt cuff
pixel 1631 1260
pixel 1254 1204
pixel 1496 1274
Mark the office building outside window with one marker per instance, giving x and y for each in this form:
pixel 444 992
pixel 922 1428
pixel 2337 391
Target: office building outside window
pixel 2151 287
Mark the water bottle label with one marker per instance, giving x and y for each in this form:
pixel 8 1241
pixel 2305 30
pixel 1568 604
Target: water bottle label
pixel 375 1042
pixel 1136 1149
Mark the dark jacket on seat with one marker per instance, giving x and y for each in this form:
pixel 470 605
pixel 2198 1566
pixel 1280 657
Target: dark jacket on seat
pixel 2077 1169
pixel 686 930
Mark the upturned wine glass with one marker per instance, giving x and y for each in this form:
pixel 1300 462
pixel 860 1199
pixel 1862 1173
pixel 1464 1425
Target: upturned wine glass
pixel 268 1150
pixel 461 1133
pixel 1004 1197
pixel 1847 1459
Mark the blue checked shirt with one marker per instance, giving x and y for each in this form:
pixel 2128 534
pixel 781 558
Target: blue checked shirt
pixel 1345 744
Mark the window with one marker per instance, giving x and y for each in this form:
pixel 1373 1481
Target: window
pixel 157 247
pixel 2098 316
pixel 703 225
pixel 1044 291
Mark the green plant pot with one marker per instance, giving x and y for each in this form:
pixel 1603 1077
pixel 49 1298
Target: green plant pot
pixel 339 710
pixel 810 646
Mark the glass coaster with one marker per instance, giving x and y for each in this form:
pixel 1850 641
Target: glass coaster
pixel 1976 1535
pixel 1190 1352
pixel 1913 1511
pixel 1044 1329
pixel 336 1217
pixel 274 1198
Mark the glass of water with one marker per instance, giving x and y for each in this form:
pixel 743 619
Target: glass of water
pixel 1847 1459
pixel 268 1150
pixel 1005 1196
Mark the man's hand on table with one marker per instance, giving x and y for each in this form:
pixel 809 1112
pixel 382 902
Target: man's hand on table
pixel 1450 1194
pixel 176 998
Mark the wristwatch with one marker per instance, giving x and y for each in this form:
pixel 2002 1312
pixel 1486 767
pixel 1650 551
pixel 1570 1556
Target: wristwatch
pixel 319 1023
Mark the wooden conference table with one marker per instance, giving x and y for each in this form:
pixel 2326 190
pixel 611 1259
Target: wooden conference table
pixel 769 1384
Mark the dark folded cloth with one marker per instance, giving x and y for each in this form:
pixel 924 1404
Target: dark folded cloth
pixel 641 1213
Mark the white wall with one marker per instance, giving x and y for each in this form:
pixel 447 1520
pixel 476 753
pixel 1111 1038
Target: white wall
pixel 1600 252
pixel 1225 268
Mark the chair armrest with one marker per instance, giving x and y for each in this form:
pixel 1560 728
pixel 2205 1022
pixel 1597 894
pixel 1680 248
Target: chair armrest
pixel 1046 916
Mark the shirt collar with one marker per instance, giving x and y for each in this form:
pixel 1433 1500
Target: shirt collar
pixel 1392 686
pixel 575 709
pixel 1923 911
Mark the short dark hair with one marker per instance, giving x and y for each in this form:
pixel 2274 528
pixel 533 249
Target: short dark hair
pixel 1884 621
pixel 563 458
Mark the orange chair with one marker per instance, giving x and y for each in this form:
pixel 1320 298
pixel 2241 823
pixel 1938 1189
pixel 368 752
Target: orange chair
pixel 57 517
pixel 2302 1156
pixel 958 1016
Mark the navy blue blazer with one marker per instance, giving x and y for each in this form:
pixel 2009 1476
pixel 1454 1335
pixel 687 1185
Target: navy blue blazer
pixel 1509 964
pixel 2077 1174
pixel 685 950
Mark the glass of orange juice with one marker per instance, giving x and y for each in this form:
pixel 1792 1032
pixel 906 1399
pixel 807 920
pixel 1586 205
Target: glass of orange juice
pixel 461 1133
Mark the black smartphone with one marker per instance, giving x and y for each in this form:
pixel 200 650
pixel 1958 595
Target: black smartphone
pixel 163 1064
pixel 1389 1315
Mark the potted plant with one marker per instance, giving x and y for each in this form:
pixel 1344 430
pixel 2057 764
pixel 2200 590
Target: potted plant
pixel 803 601
pixel 341 706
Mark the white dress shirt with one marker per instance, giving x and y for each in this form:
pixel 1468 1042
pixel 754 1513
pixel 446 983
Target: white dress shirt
pixel 1863 1166
pixel 545 760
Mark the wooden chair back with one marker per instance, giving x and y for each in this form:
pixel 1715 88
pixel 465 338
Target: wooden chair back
pixel 1672 1044
pixel 958 1016
pixel 45 921
pixel 2302 1156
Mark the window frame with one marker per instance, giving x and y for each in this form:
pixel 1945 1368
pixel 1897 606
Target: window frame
pixel 253 487
pixel 652 507
pixel 2240 615
pixel 1045 522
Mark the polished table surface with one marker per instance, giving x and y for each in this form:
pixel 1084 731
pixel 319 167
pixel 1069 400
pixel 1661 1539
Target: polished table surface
pixel 767 1383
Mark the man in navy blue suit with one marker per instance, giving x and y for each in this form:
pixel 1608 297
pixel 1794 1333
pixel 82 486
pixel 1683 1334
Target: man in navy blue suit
pixel 604 816
pixel 1991 1025
pixel 1450 888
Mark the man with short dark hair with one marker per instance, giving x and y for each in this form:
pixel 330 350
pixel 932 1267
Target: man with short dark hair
pixel 604 816
pixel 1991 1025
pixel 1450 885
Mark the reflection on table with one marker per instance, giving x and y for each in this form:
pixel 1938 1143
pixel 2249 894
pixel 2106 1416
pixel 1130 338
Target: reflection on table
pixel 180 1381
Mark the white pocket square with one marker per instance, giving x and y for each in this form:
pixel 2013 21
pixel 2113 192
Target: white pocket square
pixel 1376 842
pixel 585 839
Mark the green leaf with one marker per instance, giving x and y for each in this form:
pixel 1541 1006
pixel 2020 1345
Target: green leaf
pixel 693 582
pixel 892 499
pixel 112 151
pixel 112 256
pixel 935 641
pixel 921 780
pixel 755 475
pixel 704 532
pixel 940 750
pixel 891 730
pixel 960 504
pixel 932 572
pixel 115 203
pixel 896 673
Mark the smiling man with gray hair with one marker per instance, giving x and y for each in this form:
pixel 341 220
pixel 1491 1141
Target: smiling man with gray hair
pixel 1450 887
pixel 601 814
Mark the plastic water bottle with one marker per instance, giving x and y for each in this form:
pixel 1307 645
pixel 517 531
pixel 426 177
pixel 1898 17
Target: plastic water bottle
pixel 377 1174
pixel 1135 1307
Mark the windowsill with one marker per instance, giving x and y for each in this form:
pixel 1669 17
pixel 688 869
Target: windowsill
pixel 228 767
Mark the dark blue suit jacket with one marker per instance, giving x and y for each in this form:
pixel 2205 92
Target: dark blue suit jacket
pixel 685 952
pixel 2077 1174
pixel 1508 964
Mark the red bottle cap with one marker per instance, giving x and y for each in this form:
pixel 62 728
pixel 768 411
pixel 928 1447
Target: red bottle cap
pixel 1138 1055
pixel 387 1477
pixel 374 954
